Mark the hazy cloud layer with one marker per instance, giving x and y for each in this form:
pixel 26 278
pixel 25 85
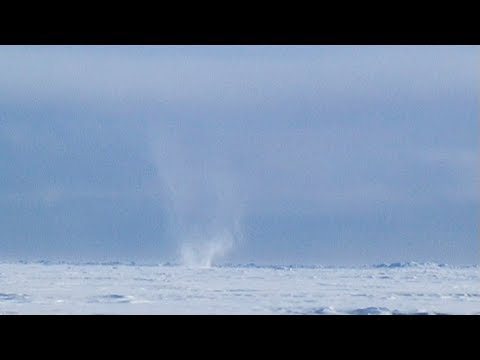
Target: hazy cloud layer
pixel 308 154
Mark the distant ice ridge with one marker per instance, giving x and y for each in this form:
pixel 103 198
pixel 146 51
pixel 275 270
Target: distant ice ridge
pixel 409 264
pixel 395 265
pixel 202 256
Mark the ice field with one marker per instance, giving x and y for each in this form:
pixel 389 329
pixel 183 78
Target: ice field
pixel 114 288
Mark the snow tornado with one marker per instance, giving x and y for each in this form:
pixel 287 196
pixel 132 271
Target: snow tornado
pixel 200 190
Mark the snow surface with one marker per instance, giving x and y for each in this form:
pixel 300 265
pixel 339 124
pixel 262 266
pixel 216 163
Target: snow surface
pixel 114 288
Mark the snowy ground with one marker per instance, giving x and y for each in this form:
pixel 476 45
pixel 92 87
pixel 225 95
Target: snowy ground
pixel 40 288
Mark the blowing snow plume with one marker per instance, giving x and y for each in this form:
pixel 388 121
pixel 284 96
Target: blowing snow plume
pixel 201 193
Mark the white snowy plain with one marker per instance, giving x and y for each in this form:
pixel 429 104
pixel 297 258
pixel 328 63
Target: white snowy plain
pixel 49 288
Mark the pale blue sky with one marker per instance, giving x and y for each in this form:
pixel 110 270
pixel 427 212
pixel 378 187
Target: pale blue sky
pixel 313 154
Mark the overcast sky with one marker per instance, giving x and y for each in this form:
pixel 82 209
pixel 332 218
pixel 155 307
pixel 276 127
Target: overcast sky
pixel 301 154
